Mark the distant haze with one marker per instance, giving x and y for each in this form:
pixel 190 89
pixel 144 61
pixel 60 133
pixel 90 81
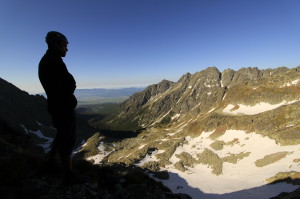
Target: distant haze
pixel 141 42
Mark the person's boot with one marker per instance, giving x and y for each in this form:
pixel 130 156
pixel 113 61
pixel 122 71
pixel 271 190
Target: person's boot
pixel 71 178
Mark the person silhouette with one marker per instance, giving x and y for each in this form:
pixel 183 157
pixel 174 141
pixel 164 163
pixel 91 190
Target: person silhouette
pixel 59 86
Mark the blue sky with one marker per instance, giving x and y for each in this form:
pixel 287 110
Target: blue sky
pixel 122 43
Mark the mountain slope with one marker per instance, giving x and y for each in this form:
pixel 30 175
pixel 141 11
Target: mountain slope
pixel 203 91
pixel 226 127
pixel 25 114
pixel 19 106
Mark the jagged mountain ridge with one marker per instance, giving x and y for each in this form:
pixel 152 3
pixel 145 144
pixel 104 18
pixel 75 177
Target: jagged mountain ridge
pixel 201 92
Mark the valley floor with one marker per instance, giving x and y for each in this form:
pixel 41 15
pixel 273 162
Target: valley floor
pixel 246 177
pixel 215 187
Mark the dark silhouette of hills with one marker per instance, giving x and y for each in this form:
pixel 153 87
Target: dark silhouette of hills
pixel 24 171
pixel 18 108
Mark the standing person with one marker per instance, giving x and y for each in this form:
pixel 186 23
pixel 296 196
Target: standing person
pixel 59 86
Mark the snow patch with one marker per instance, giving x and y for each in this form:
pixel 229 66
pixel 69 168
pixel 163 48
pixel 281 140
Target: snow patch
pixel 142 146
pixel 25 129
pixel 244 175
pixel 46 145
pixel 150 157
pixel 155 98
pixel 160 119
pixel 175 116
pixel 101 155
pixel 171 134
pixel 81 145
pixel 292 83
pixel 290 125
pixel 256 109
pixel 207 85
pixel 178 184
pixel 211 110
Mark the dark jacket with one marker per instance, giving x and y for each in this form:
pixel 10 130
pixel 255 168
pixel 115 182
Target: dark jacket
pixel 57 82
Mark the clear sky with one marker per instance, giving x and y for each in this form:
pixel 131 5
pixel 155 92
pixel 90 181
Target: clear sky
pixel 123 43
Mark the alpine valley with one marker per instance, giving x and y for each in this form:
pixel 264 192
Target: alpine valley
pixel 210 135
pixel 230 134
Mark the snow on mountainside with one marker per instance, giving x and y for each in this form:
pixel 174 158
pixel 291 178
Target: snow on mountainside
pixel 25 114
pixel 219 135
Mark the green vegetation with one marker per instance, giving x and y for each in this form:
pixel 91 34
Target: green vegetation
pixel 166 120
pixel 91 146
pixel 185 160
pixel 292 177
pixel 218 132
pixel 296 160
pixel 218 145
pixel 98 109
pixel 101 100
pixel 211 159
pixel 234 158
pixel 269 159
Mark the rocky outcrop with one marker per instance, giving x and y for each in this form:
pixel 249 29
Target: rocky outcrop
pixel 25 174
pixel 137 100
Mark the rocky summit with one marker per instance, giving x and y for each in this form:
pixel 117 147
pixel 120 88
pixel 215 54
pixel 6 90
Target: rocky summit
pixel 230 134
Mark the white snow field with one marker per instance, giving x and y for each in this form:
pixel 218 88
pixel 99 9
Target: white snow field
pixel 238 180
pixel 47 144
pixel 241 180
pixel 256 109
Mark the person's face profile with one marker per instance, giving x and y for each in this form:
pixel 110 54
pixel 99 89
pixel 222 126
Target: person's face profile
pixel 63 48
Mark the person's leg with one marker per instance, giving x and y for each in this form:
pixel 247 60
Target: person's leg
pixel 68 141
pixel 66 161
pixel 64 144
pixel 71 177
pixel 52 154
pixel 56 142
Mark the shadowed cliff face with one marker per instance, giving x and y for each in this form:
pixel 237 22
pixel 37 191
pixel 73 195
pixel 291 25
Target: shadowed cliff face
pixel 24 113
pixel 17 106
